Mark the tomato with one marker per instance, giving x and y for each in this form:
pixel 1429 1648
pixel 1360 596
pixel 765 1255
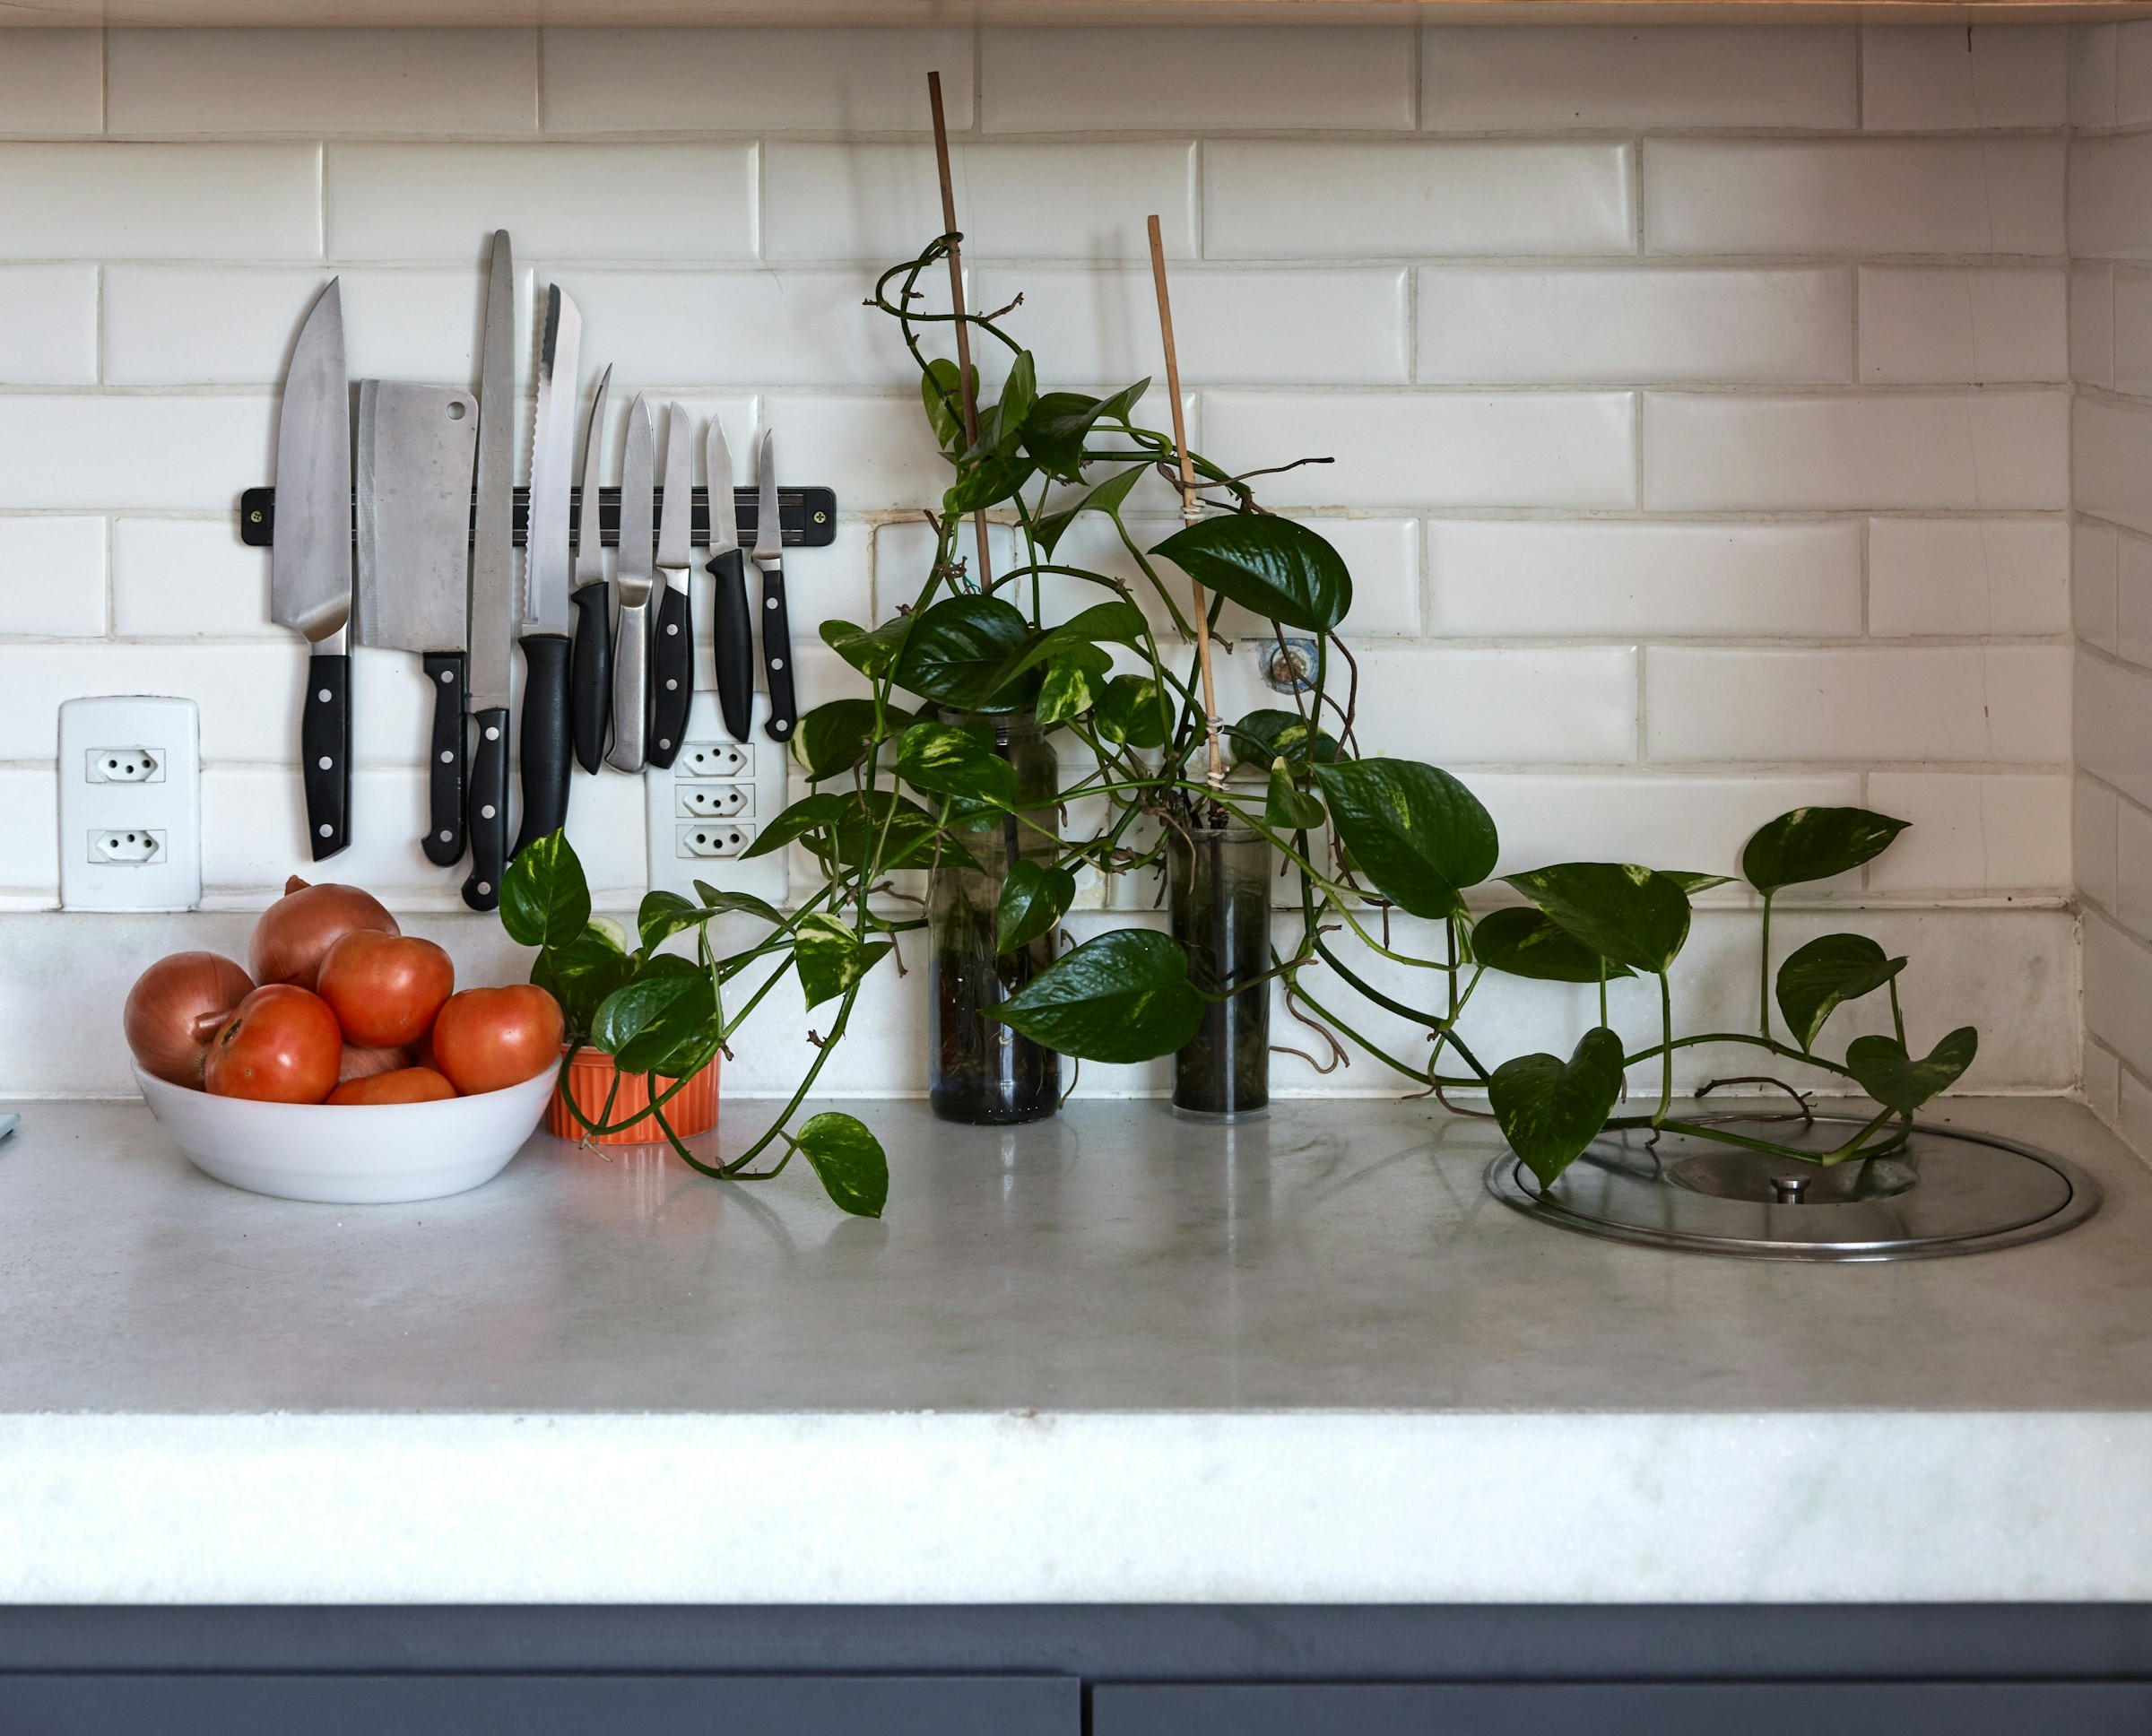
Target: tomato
pixel 405 1085
pixel 486 1039
pixel 385 988
pixel 281 1046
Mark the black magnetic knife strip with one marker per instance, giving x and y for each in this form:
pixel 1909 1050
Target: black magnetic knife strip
pixel 807 517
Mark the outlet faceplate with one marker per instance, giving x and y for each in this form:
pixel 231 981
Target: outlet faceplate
pixel 130 805
pixel 707 809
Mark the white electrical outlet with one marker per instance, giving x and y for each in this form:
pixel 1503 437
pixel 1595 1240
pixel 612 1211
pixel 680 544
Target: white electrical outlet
pixel 130 805
pixel 705 811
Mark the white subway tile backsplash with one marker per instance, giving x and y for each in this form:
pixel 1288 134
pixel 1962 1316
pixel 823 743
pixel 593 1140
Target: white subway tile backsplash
pixel 1556 706
pixel 188 579
pixel 1967 576
pixel 249 694
pixel 881 203
pixel 1993 832
pixel 1695 823
pixel 2110 461
pixel 83 451
pixel 2101 1083
pixel 557 201
pixel 29 865
pixel 1997 453
pixel 2092 324
pixel 1495 78
pixel 2092 583
pixel 1508 449
pixel 748 79
pixel 159 201
pixel 2132 331
pixel 2111 197
pixel 1992 703
pixel 1489 578
pixel 2111 734
pixel 1854 195
pixel 48 324
pixel 315 82
pixel 2092 75
pixel 2118 992
pixel 2133 600
pixel 53 80
pixel 52 577
pixel 881 448
pixel 1914 78
pixel 1095 78
pixel 1100 328
pixel 1485 325
pixel 1285 200
pixel 2132 906
pixel 2132 76
pixel 1955 325
pixel 2094 822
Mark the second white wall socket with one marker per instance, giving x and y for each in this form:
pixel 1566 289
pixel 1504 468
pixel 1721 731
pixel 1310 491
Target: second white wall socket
pixel 130 805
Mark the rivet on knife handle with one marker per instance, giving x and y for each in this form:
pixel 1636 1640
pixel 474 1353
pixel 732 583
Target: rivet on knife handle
pixel 488 810
pixel 672 675
pixel 446 675
pixel 324 741
pixel 777 655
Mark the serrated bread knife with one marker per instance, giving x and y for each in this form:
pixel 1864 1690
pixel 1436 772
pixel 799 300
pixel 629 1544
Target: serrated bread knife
pixel 310 560
pixel 493 599
pixel 546 744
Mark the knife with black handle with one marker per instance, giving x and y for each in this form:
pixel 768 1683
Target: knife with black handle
pixel 776 626
pixel 493 599
pixel 672 632
pixel 734 635
pixel 546 741
pixel 590 673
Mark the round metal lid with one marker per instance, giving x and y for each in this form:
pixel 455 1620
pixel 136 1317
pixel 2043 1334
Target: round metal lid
pixel 1943 1192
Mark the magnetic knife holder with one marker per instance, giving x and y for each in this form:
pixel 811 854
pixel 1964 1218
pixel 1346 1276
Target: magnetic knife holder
pixel 807 517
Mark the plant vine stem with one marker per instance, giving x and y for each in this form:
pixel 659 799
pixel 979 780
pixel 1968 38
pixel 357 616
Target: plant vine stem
pixel 1752 1040
pixel 1666 1059
pixel 1425 1075
pixel 1822 1160
pixel 1764 974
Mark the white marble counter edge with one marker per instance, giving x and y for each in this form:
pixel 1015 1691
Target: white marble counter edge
pixel 1241 1507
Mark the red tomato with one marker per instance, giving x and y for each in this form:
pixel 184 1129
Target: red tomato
pixel 385 988
pixel 281 1046
pixel 486 1039
pixel 405 1085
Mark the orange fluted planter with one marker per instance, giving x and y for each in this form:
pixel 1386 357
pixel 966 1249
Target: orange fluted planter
pixel 590 1077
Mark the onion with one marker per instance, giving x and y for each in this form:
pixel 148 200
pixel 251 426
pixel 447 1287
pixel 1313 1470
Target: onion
pixel 303 925
pixel 364 1064
pixel 176 1007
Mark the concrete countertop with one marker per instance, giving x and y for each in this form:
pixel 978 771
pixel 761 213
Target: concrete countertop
pixel 1113 1357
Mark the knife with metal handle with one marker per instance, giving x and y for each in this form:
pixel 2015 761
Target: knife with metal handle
pixel 776 626
pixel 493 611
pixel 631 578
pixel 734 634
pixel 415 446
pixel 590 678
pixel 310 560
pixel 544 637
pixel 672 634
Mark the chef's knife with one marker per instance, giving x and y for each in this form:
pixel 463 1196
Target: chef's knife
pixel 310 560
pixel 544 636
pixel 591 681
pixel 776 628
pixel 493 612
pixel 631 578
pixel 673 637
pixel 735 627
pixel 415 446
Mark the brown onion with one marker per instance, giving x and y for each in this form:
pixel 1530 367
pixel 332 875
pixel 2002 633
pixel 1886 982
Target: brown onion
pixel 176 1007
pixel 364 1064
pixel 303 925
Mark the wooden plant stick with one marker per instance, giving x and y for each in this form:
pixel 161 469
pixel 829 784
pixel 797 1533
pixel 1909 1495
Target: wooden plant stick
pixel 1191 509
pixel 965 388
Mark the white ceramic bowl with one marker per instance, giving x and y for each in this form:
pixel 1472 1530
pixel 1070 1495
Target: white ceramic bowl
pixel 351 1154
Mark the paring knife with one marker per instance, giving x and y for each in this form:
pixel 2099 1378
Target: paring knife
pixel 310 560
pixel 672 635
pixel 631 578
pixel 544 635
pixel 776 626
pixel 415 447
pixel 493 612
pixel 735 625
pixel 591 681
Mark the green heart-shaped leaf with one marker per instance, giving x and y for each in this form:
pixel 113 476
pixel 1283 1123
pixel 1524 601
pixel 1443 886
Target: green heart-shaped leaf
pixel 1107 497
pixel 874 654
pixel 1692 882
pixel 831 956
pixel 1123 997
pixel 582 974
pixel 1887 1074
pixel 1262 736
pixel 846 825
pixel 1521 942
pixel 956 759
pixel 1110 623
pixel 1414 830
pixel 1065 691
pixel 1060 422
pixel 955 650
pixel 1275 567
pixel 987 483
pixel 1830 970
pixel 833 738
pixel 1811 844
pixel 1034 897
pixel 939 390
pixel 1628 913
pixel 545 899
pixel 1129 711
pixel 717 903
pixel 1550 1109
pixel 854 1172
pixel 646 1024
pixel 1288 806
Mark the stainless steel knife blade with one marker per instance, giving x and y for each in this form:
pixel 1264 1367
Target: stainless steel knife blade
pixel 590 549
pixel 769 534
pixel 415 449
pixel 632 584
pixel 545 557
pixel 310 560
pixel 492 562
pixel 725 520
pixel 677 511
pixel 631 573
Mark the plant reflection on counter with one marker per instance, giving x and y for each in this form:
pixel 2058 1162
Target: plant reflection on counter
pixel 943 768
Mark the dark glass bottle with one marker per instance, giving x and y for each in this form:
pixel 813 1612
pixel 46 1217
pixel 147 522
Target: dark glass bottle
pixel 1221 911
pixel 982 1072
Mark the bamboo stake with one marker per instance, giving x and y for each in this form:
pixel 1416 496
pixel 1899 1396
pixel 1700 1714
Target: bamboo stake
pixel 965 388
pixel 1191 509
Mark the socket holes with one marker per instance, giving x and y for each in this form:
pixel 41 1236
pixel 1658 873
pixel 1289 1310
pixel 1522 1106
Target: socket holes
pixel 124 765
pixel 136 847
